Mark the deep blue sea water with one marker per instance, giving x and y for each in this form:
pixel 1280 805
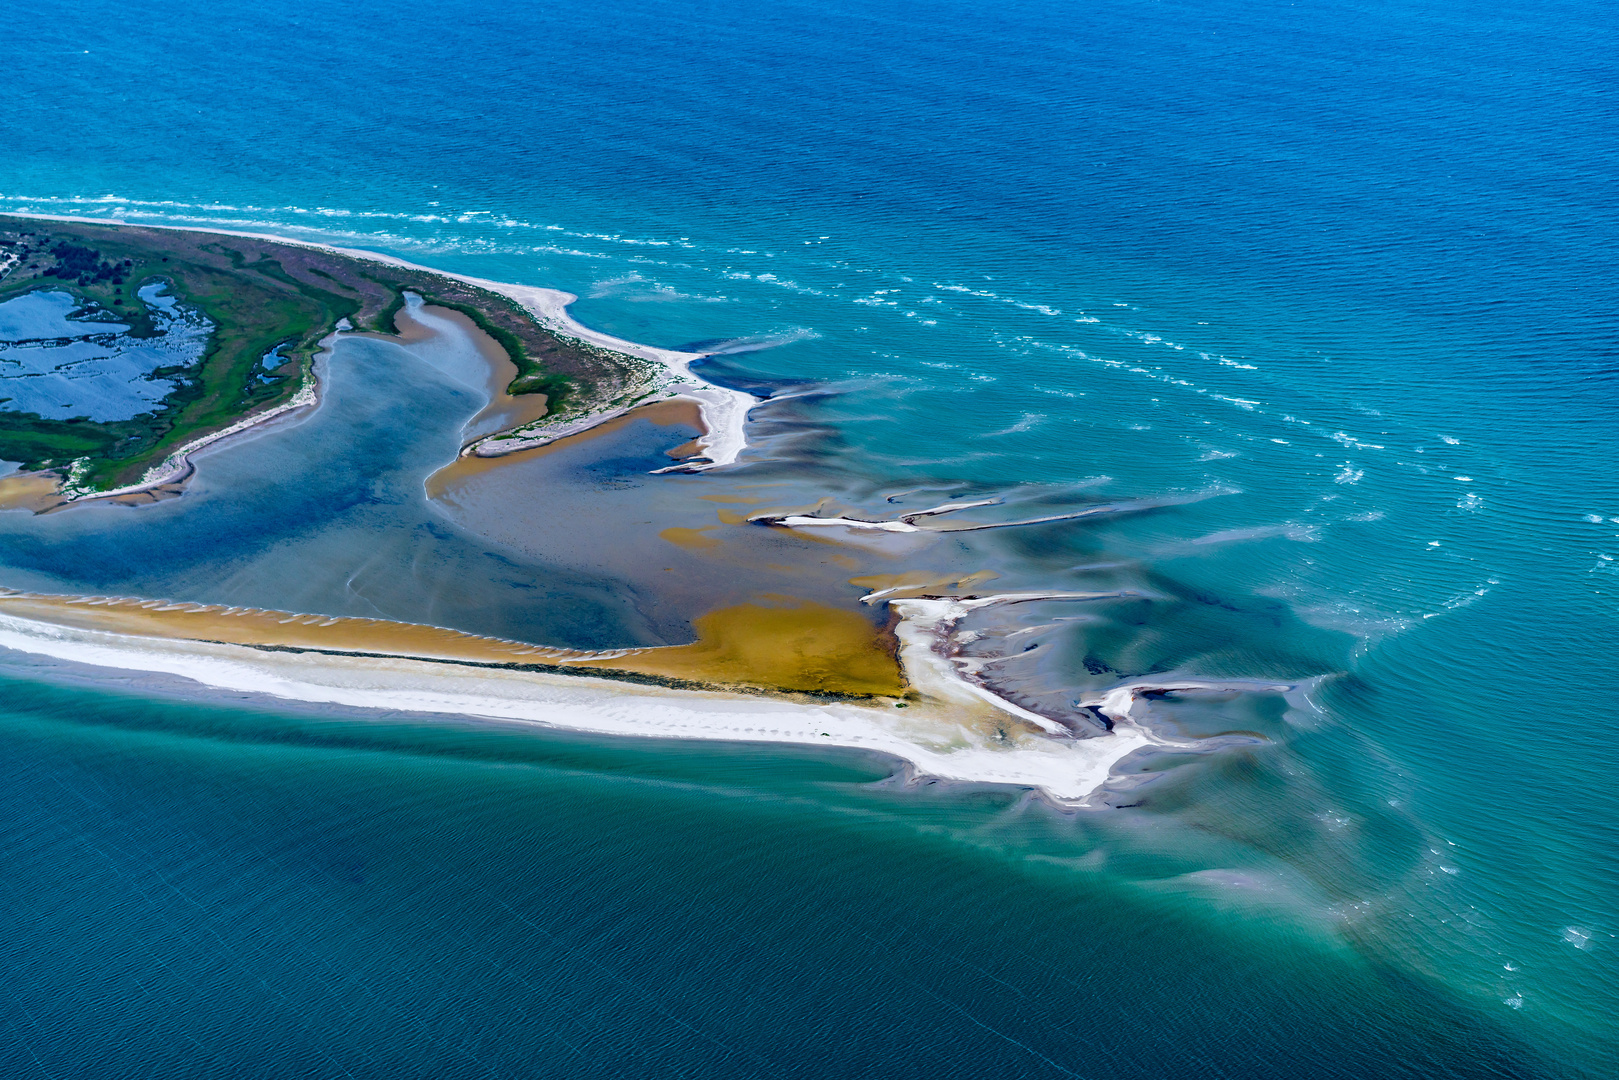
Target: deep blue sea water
pixel 1346 269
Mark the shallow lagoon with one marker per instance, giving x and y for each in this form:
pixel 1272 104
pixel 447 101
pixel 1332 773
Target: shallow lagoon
pixel 324 512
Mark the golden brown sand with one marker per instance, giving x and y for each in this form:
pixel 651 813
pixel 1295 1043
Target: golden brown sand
pixel 691 539
pixel 786 644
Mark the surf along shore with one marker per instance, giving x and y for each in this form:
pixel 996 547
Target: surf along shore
pixel 274 302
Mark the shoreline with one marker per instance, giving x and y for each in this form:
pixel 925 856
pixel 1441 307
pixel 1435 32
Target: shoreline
pixel 723 411
pixel 178 466
pixel 950 729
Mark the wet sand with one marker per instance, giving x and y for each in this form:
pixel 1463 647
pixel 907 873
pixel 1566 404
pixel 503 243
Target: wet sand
pixel 30 491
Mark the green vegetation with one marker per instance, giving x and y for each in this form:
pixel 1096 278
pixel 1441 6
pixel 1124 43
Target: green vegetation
pixel 266 300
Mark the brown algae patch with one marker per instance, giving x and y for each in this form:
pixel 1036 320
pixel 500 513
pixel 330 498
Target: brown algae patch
pixel 786 644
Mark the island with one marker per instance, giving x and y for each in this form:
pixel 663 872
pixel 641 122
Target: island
pixel 256 311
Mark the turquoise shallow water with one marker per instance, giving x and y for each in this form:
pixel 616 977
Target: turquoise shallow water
pixel 1338 272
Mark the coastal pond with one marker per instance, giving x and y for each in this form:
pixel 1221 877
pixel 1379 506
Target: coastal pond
pixel 61 362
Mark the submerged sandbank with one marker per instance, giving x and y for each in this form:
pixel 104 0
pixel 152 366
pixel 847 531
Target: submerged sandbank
pixel 418 322
pixel 30 491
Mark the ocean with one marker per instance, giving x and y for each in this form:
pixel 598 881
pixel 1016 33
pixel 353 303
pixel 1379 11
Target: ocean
pixel 1328 287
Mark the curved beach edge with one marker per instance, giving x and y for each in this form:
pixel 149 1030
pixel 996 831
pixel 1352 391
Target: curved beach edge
pixel 724 411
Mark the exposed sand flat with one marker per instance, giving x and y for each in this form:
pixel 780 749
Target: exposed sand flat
pixel 951 730
pixel 30 491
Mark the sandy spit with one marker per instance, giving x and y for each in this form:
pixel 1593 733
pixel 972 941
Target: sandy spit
pixel 953 731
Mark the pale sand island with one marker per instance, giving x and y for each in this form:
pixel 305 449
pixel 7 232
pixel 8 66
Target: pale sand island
pixel 783 671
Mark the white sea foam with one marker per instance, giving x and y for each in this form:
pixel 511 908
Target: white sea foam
pixel 1577 936
pixel 1353 443
pixel 759 342
pixel 1307 534
pixel 1025 422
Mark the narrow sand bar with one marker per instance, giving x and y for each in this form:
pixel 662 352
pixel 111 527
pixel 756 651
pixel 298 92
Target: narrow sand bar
pixel 667 413
pixel 948 729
